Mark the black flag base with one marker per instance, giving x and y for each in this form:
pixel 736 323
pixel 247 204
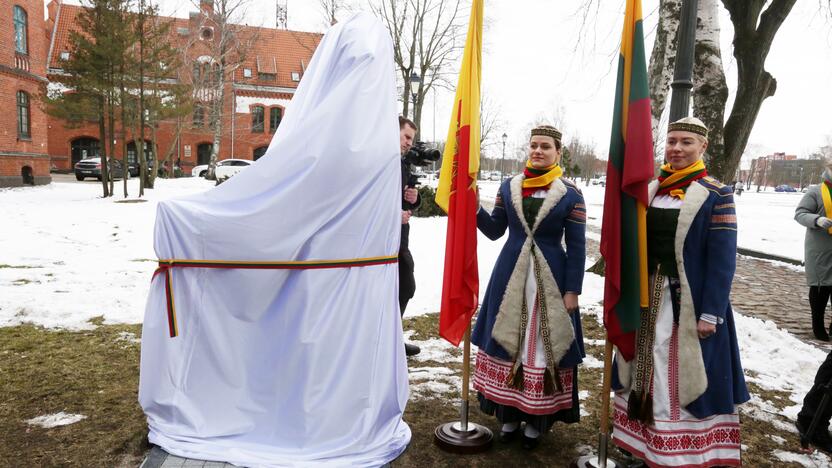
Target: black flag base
pixel 451 437
pixel 597 461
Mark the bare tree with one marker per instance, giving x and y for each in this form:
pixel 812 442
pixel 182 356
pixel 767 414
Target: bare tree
pixel 330 10
pixel 427 37
pixel 226 43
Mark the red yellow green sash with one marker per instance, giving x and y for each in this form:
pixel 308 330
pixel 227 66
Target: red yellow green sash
pixel 676 182
pixel 165 267
pixel 537 179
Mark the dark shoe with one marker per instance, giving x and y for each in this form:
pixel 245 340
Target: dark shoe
pixel 506 437
pixel 821 335
pixel 821 439
pixel 530 443
pixel 411 349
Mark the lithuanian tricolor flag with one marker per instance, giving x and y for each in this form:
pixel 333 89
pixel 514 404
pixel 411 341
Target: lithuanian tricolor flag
pixel 629 170
pixel 456 193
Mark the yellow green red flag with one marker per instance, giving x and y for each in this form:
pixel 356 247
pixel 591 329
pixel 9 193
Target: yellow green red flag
pixel 456 193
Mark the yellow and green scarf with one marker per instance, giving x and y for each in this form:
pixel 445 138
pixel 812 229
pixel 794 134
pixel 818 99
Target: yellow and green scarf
pixel 537 179
pixel 676 182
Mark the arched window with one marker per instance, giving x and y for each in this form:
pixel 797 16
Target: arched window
pixel 83 148
pixel 21 43
pixel 259 152
pixel 23 120
pixel 275 116
pixel 258 115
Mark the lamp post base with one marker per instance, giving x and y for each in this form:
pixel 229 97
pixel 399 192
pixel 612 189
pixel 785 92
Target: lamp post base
pixel 591 461
pixel 451 438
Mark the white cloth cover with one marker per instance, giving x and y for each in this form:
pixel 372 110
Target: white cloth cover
pixel 291 367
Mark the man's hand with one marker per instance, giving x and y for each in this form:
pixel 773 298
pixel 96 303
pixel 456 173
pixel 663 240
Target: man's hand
pixel 406 216
pixel 705 329
pixel 824 222
pixel 570 301
pixel 411 195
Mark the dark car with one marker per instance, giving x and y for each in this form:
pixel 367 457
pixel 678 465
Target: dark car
pixel 91 167
pixel 785 188
pixel 133 167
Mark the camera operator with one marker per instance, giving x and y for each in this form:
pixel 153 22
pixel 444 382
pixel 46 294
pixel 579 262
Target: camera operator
pixel 410 201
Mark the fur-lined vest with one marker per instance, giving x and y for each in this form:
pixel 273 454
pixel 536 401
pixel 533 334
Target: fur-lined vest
pixel 710 376
pixel 561 270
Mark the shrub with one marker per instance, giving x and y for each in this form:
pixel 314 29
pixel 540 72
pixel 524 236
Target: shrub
pixel 428 207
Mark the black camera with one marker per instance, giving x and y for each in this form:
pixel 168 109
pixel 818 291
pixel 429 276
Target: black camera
pixel 421 155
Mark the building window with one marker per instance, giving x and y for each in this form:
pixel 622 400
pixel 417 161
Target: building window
pixel 64 55
pixel 258 114
pixel 275 116
pixel 23 120
pixel 267 77
pixel 20 39
pixel 199 116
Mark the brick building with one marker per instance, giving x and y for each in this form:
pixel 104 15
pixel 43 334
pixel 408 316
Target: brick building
pixel 785 169
pixel 32 55
pixel 23 125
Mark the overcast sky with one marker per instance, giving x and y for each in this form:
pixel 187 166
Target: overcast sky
pixel 533 65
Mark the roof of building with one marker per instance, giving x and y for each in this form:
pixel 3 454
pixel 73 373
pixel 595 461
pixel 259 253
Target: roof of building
pixel 275 58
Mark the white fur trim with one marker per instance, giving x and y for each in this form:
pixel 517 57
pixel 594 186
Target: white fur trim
pixel 693 381
pixel 506 329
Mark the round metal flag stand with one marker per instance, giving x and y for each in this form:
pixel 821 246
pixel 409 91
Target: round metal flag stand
pixel 462 436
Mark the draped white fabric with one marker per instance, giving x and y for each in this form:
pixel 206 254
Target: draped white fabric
pixel 291 367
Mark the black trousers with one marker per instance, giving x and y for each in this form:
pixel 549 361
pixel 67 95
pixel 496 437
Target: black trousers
pixel 818 298
pixel 407 280
pixel 811 402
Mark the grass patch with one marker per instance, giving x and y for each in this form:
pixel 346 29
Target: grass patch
pixel 17 267
pixel 94 373
pixel 132 200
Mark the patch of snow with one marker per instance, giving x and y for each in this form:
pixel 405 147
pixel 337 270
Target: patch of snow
pixel 816 459
pixel 54 420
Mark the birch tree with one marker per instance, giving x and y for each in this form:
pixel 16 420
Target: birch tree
pixel 227 47
pixel 427 36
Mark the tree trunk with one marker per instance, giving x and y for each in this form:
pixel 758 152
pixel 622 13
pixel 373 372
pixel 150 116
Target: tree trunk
pixel 753 35
pixel 710 90
pixel 111 118
pixel 662 61
pixel 102 146
pixel 124 161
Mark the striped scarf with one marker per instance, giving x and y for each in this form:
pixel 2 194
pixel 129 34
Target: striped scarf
pixel 676 182
pixel 537 179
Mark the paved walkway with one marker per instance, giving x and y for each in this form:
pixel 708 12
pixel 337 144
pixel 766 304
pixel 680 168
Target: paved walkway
pixel 768 291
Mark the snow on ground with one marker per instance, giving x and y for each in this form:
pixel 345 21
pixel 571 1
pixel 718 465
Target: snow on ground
pixel 67 255
pixel 55 420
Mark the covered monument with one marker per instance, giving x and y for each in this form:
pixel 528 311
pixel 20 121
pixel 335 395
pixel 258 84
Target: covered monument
pixel 272 335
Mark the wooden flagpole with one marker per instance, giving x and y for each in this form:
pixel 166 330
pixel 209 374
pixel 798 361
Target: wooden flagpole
pixel 463 436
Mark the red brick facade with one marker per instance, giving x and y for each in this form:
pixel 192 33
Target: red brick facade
pixel 23 156
pixel 268 78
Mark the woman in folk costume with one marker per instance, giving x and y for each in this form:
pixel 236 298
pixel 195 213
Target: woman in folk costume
pixel 529 329
pixel 815 212
pixel 676 403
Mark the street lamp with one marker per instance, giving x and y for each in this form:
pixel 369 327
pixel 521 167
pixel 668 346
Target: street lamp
pixel 414 79
pixel 503 159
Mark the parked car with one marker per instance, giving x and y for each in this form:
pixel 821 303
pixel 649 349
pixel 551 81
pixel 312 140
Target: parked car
pixel 133 167
pixel 785 188
pixel 494 176
pixel 202 169
pixel 230 168
pixel 91 167
pixel 602 181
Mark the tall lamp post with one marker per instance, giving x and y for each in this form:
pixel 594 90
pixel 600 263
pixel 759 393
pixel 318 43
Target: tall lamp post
pixel 503 159
pixel 414 80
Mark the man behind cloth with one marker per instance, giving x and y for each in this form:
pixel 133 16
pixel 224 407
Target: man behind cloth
pixel 302 366
pixel 410 201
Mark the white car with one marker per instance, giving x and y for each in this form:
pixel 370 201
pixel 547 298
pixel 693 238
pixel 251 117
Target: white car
pixel 230 168
pixel 202 169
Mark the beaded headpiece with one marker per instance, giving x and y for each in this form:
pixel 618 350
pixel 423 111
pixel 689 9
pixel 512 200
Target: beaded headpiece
pixel 689 124
pixel 547 130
